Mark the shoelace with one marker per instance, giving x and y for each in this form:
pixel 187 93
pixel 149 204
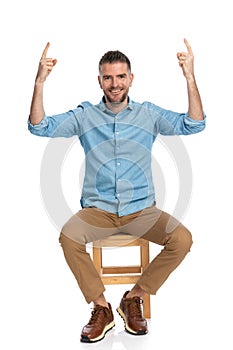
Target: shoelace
pixel 135 307
pixel 95 314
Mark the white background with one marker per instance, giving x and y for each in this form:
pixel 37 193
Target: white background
pixel 41 305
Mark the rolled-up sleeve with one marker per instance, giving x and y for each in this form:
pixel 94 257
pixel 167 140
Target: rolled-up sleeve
pixel 193 126
pixel 61 125
pixel 173 123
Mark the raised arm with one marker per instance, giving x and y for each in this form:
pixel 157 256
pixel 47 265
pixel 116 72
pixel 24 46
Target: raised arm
pixel 45 67
pixel 186 62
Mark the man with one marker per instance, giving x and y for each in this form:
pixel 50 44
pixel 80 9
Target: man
pixel 118 194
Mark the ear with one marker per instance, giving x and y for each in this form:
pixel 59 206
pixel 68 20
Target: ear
pixel 99 80
pixel 131 79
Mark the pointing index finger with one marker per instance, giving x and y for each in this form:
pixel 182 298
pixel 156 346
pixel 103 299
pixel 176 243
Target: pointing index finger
pixel 44 54
pixel 188 46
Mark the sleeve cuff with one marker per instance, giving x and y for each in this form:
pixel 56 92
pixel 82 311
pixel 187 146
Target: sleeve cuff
pixel 189 121
pixel 41 125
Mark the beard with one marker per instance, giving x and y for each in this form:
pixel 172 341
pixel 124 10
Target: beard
pixel 112 100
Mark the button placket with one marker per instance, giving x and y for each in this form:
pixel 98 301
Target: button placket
pixel 117 162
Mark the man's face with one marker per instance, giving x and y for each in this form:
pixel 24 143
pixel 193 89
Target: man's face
pixel 115 80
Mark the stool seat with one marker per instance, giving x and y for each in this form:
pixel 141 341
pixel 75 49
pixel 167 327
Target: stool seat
pixel 122 274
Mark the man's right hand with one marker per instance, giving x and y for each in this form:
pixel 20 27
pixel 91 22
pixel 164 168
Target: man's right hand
pixel 45 66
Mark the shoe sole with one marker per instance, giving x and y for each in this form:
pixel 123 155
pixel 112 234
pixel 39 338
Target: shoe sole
pixel 127 328
pixel 85 339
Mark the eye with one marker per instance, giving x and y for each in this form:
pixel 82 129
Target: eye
pixel 122 76
pixel 106 77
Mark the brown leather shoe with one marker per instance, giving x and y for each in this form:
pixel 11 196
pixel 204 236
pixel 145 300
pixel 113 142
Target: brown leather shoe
pixel 131 312
pixel 100 323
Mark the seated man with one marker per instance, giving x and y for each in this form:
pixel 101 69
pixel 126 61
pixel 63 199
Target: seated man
pixel 117 136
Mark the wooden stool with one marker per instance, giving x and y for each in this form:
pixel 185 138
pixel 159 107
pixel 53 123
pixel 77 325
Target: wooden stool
pixel 123 274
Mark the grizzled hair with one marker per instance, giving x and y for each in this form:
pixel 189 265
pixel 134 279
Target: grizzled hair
pixel 114 56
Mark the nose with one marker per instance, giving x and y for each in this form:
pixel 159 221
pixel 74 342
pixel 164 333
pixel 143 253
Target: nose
pixel 114 81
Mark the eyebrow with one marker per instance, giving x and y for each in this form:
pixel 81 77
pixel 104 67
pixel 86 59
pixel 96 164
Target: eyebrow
pixel 118 75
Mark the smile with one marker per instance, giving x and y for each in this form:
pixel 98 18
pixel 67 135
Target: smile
pixel 116 91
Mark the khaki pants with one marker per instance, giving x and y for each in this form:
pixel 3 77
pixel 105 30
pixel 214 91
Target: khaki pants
pixel 152 224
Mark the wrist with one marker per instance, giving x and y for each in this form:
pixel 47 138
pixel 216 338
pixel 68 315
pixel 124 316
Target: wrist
pixel 190 78
pixel 39 81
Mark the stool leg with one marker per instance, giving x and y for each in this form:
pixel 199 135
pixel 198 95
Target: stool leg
pixel 145 259
pixel 97 259
pixel 146 306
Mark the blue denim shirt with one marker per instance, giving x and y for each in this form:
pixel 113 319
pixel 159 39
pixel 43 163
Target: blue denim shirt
pixel 118 176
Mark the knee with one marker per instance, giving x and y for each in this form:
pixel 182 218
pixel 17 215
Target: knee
pixel 186 239
pixel 69 244
pixel 181 239
pixel 64 241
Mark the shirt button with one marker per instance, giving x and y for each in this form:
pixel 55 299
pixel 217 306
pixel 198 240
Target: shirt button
pixel 118 163
pixel 117 132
